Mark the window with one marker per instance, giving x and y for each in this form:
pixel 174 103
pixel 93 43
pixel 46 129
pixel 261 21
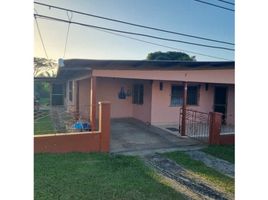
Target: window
pixel 70 90
pixel 177 95
pixel 137 97
pixel 192 95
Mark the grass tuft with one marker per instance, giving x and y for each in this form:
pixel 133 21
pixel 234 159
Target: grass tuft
pixel 225 152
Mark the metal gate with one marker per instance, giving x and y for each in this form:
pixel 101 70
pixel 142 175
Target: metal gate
pixel 197 124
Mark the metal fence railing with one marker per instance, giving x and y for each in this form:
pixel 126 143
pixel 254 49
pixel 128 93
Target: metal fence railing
pixel 64 119
pixel 197 124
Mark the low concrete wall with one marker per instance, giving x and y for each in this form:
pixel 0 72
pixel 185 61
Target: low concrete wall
pixel 68 142
pixel 96 141
pixel 227 139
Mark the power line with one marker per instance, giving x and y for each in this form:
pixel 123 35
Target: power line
pixel 40 36
pixel 211 4
pixel 226 2
pixel 156 44
pixel 67 35
pixel 134 33
pixel 137 25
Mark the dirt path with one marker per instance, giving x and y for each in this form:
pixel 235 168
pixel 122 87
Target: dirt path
pixel 194 187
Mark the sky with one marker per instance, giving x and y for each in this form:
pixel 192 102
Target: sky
pixel 184 16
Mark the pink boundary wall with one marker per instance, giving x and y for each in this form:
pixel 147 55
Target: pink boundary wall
pixel 97 141
pixel 227 139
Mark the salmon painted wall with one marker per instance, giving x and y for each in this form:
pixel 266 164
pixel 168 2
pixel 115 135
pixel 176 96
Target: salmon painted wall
pixel 156 107
pixel 84 100
pixel 163 112
pixel 143 112
pixel 108 89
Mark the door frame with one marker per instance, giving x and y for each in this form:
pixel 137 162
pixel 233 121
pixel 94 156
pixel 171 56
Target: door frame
pixel 226 100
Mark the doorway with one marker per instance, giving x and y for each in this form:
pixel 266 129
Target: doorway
pixel 220 101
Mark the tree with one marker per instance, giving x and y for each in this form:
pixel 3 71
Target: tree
pixel 44 67
pixel 170 55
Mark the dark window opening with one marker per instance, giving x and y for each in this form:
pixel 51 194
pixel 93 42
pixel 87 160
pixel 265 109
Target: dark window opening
pixel 192 95
pixel 137 94
pixel 177 95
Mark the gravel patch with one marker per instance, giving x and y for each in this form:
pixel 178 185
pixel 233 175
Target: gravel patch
pixel 172 170
pixel 219 165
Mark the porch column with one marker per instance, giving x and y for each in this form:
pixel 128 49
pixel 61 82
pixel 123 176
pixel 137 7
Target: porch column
pixel 93 103
pixel 77 100
pixel 184 103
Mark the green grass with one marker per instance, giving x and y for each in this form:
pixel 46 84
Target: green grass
pixel 43 125
pixel 96 176
pixel 44 101
pixel 225 152
pixel 198 168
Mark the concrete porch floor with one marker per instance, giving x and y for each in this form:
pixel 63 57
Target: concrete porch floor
pixel 130 136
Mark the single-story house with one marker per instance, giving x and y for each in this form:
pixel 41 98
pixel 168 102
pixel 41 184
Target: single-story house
pixel 150 91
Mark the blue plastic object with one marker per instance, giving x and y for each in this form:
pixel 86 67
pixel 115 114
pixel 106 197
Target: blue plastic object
pixel 82 126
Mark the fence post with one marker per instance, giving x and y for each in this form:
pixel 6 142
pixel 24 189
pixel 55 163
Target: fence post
pixel 215 127
pixel 104 126
pixel 93 103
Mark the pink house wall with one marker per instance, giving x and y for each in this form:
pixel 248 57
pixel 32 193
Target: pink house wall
pixel 84 101
pixel 143 112
pixel 156 108
pixel 107 89
pixel 163 113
